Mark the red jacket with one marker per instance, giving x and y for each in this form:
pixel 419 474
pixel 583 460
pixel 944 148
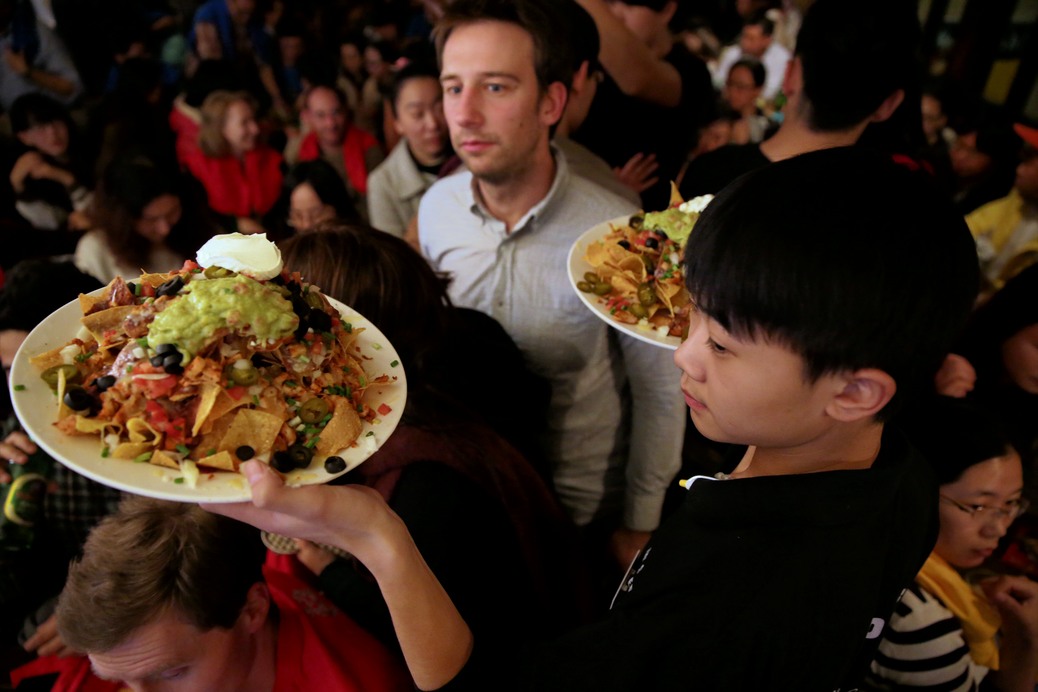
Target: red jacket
pixel 237 190
pixel 356 142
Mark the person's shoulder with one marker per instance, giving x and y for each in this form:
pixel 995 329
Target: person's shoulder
pixel 708 173
pixel 447 195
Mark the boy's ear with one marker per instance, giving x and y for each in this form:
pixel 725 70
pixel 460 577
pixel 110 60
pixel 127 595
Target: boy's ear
pixel 256 609
pixel 864 394
pixel 889 105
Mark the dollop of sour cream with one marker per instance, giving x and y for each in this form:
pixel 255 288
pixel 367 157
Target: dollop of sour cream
pixel 251 255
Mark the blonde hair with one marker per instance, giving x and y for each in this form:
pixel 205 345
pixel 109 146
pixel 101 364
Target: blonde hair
pixel 214 114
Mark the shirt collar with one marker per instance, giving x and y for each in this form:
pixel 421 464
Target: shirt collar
pixel 541 208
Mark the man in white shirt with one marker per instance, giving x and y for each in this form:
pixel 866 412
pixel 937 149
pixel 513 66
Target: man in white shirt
pixel 756 41
pixel 503 230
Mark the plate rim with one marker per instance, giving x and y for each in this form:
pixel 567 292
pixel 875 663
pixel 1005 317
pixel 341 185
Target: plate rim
pixel 226 486
pixel 576 265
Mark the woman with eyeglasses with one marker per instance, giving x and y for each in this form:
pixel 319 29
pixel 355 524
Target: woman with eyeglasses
pixel 947 633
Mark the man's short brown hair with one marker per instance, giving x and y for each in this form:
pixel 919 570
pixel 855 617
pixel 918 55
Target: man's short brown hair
pixel 541 19
pixel 152 557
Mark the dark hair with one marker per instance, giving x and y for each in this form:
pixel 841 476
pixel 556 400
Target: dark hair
pixel 153 555
pixel 382 278
pixel 584 39
pixel 34 288
pixel 844 257
pixel 326 182
pixel 33 109
pixel 955 434
pixel 854 56
pixel 756 68
pixel 541 19
pixel 1011 310
pixel 995 134
pixel 760 18
pixel 126 188
pixel 413 70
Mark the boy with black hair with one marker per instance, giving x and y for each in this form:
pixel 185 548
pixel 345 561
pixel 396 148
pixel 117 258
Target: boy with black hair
pixel 829 287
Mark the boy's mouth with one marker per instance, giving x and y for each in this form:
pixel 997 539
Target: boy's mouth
pixel 693 403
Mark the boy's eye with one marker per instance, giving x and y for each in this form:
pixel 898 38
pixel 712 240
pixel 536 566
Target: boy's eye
pixel 715 347
pixel 495 88
pixel 174 673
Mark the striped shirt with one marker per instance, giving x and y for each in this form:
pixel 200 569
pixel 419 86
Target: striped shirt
pixel 923 648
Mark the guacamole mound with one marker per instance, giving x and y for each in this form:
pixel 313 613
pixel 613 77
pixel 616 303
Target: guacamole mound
pixel 674 222
pixel 238 303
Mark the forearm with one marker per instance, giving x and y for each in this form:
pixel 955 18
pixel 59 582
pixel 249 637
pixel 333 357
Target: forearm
pixel 51 82
pixel 631 64
pixel 435 641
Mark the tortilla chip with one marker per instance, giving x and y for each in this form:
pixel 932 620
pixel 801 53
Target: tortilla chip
pixel 211 438
pixel 139 430
pixel 160 458
pixel 343 428
pixel 675 195
pixel 224 404
pixel 48 359
pixel 154 280
pixel 131 450
pixel 93 425
pixel 206 399
pixel 111 318
pixel 220 460
pixel 256 429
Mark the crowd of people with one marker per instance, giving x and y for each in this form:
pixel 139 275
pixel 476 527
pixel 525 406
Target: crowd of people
pixel 853 412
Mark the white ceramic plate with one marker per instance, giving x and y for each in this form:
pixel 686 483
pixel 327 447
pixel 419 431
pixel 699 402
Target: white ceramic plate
pixel 578 266
pixel 37 408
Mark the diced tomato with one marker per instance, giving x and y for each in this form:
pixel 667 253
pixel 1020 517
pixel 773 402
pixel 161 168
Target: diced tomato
pixel 156 388
pixel 236 392
pixel 189 265
pixel 383 410
pixel 147 290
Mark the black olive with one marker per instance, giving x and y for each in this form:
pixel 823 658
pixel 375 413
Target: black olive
pixel 624 244
pixel 294 288
pixel 279 280
pixel 134 288
pixel 171 287
pixel 157 361
pixel 175 369
pixel 163 349
pixel 662 234
pixel 651 242
pixel 334 464
pixel 172 359
pixel 282 462
pixel 299 305
pixel 301 330
pixel 300 455
pixel 319 320
pixel 636 221
pixel 78 399
pixel 104 382
pixel 245 452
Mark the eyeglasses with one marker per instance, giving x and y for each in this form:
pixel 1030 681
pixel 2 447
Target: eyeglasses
pixel 1011 509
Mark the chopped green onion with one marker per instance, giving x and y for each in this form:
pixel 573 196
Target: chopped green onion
pixel 348 327
pixel 376 346
pixel 104 452
pixel 363 381
pixel 394 363
pixel 346 370
pixel 82 357
pixel 312 441
pixel 290 401
pixel 255 399
pixel 178 481
pixel 143 342
pixel 142 458
pixel 291 383
pixel 371 433
pixel 19 388
pixel 210 452
pixel 182 448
